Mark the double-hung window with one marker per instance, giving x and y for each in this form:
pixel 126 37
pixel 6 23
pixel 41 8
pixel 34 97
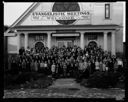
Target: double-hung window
pixel 107 11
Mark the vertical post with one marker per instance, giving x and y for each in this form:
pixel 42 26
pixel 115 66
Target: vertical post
pixel 49 40
pixel 105 41
pixel 82 40
pixel 113 42
pixel 26 41
pixel 18 42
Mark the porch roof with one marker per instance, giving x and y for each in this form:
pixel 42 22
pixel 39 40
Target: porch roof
pixel 66 27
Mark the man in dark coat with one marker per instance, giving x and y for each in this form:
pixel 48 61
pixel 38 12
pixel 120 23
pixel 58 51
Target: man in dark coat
pixel 21 51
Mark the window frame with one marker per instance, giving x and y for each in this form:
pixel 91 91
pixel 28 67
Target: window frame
pixel 107 7
pixel 92 37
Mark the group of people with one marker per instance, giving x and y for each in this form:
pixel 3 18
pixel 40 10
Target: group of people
pixel 65 61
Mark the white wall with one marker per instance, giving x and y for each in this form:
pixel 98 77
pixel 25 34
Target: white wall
pixel 119 40
pixel 97 10
pixel 12 44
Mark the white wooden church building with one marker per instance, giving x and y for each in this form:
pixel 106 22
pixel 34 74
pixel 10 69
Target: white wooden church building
pixel 68 23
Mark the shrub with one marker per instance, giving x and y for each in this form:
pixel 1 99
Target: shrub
pixel 9 81
pixel 103 79
pixel 15 80
pixel 28 76
pixel 26 80
pixel 40 83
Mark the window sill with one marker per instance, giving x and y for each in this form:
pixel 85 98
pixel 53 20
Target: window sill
pixel 107 19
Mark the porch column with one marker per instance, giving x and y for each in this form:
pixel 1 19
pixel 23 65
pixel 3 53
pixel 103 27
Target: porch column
pixel 18 42
pixel 26 41
pixel 82 40
pixel 113 42
pixel 105 41
pixel 49 40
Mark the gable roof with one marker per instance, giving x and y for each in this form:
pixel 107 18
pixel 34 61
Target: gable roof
pixel 22 17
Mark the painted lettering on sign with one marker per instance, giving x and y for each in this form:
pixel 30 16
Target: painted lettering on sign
pixel 60 15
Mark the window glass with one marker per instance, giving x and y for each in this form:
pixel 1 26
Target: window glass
pixel 92 37
pixel 107 11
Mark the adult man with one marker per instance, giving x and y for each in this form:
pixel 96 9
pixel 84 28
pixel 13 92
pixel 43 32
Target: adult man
pixel 21 51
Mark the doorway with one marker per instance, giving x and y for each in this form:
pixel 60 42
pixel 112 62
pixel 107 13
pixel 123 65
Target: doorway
pixel 39 46
pixel 92 44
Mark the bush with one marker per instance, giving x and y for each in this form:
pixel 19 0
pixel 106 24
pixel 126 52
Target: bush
pixel 28 76
pixel 102 80
pixel 40 83
pixel 14 81
pixel 9 81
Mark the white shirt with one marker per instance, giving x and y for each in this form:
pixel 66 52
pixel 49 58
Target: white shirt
pixel 53 68
pixel 97 65
pixel 45 65
pixel 119 62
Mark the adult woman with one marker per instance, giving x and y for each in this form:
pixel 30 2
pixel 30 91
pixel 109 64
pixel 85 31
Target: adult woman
pixel 46 67
pixel 28 66
pixel 86 72
pixel 97 65
pixel 64 69
pixel 103 66
pixel 35 66
pixel 100 66
pixel 81 68
pixel 111 66
pixel 76 73
pixel 20 66
pixel 56 70
pixel 24 65
pixel 49 67
pixel 32 65
pixel 92 66
pixel 89 67
pixel 41 69
pixel 85 64
pixel 71 67
pixel 53 69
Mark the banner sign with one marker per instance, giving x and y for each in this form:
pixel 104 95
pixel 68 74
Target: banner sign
pixel 73 15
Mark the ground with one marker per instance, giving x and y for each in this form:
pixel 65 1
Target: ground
pixel 66 88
